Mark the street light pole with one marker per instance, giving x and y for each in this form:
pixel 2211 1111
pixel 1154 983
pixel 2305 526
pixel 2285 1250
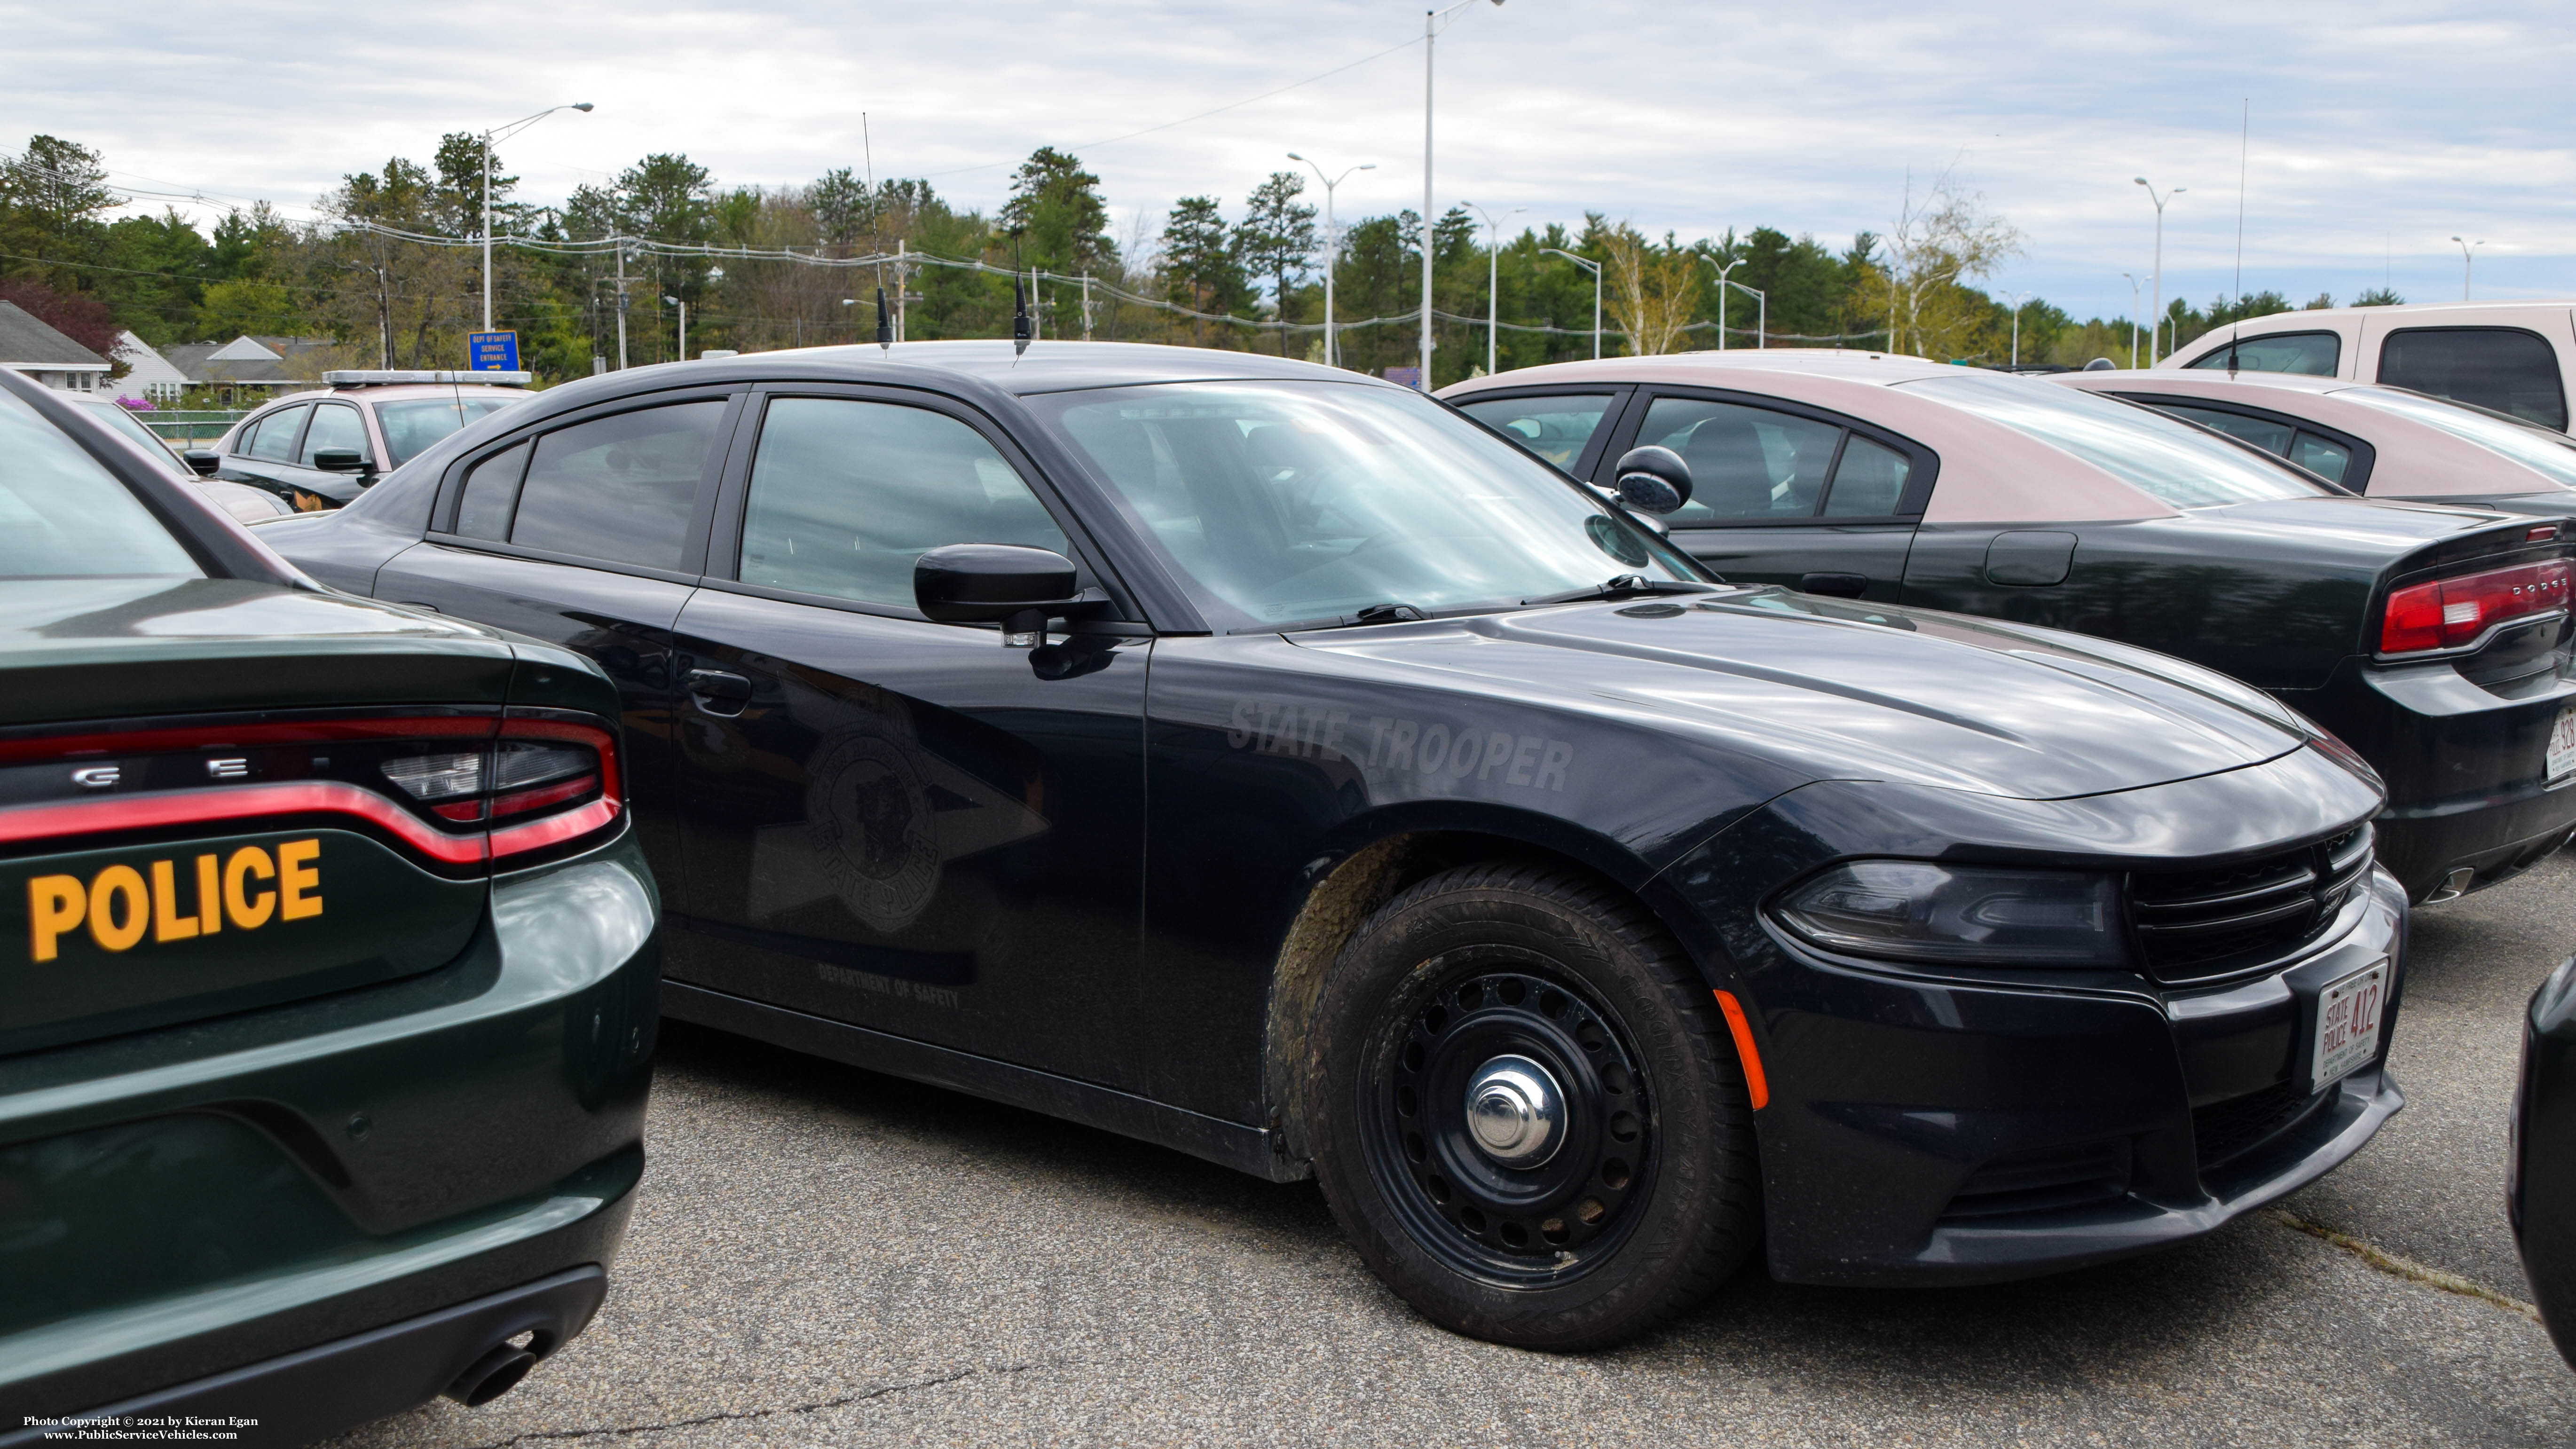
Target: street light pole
pixel 501 133
pixel 1595 269
pixel 2464 264
pixel 1721 293
pixel 1433 22
pixel 1332 251
pixel 2017 299
pixel 2133 321
pixel 1493 281
pixel 684 325
pixel 2160 262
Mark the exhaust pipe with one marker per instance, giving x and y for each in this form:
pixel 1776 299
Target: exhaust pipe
pixel 496 1373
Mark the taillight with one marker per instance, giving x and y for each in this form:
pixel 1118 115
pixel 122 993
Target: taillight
pixel 2449 613
pixel 554 781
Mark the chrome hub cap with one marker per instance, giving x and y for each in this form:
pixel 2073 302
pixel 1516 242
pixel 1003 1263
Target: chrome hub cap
pixel 1515 1111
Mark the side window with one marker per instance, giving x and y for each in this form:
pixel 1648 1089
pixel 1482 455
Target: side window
pixel 2271 437
pixel 335 425
pixel 1869 481
pixel 274 439
pixel 845 495
pixel 621 487
pixel 1555 428
pixel 2327 460
pixel 492 495
pixel 1746 463
pixel 2504 369
pixel 2311 354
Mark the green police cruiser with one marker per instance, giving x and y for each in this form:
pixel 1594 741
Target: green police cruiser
pixel 327 974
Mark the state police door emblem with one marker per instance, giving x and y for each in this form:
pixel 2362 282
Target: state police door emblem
pixel 869 817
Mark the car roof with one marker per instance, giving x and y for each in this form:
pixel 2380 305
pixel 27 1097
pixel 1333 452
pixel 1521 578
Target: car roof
pixel 395 392
pixel 1703 369
pixel 1047 366
pixel 2415 458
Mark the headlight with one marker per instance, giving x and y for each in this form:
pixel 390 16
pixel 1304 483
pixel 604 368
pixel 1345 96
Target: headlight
pixel 1911 910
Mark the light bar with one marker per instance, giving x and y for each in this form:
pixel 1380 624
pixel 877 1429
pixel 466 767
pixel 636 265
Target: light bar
pixel 381 377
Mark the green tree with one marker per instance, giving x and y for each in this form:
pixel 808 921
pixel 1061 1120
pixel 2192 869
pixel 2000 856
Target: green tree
pixel 1056 211
pixel 2379 297
pixel 52 197
pixel 1199 262
pixel 1275 239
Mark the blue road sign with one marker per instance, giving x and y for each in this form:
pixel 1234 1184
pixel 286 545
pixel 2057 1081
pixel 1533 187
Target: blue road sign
pixel 492 351
pixel 1409 376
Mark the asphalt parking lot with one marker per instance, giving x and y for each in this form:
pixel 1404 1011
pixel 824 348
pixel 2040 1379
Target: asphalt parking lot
pixel 822 1255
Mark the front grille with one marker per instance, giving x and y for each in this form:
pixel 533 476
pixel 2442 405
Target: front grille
pixel 2224 1131
pixel 2199 925
pixel 2049 1179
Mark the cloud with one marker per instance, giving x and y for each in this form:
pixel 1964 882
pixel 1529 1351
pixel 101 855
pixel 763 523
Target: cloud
pixel 2377 132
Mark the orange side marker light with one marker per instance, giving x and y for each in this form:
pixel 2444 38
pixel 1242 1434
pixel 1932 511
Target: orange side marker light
pixel 1755 1085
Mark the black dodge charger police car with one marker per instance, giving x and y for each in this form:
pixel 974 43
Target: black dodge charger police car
pixel 1271 762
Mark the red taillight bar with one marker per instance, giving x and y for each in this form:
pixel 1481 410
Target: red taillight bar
pixel 234 802
pixel 2451 613
pixel 268 732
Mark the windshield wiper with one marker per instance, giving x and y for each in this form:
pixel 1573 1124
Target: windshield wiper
pixel 1623 586
pixel 1389 614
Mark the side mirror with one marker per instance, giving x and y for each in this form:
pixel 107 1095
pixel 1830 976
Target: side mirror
pixel 994 583
pixel 202 462
pixel 340 460
pixel 1653 480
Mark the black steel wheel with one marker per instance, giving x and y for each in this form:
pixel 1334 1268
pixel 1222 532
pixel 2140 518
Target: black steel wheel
pixel 1526 1112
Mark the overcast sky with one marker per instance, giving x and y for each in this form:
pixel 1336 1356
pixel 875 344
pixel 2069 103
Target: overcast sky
pixel 2378 131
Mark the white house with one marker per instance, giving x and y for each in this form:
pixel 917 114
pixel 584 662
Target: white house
pixel 32 347
pixel 149 377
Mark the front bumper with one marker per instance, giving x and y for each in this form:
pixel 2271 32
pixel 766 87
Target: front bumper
pixel 1940 1132
pixel 2465 768
pixel 179 1204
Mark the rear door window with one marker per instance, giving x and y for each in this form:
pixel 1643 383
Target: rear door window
pixel 492 494
pixel 1869 481
pixel 273 437
pixel 2504 369
pixel 335 425
pixel 2272 437
pixel 846 495
pixel 2324 457
pixel 2311 354
pixel 1556 428
pixel 619 488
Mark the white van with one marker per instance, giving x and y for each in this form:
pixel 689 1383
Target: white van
pixel 2512 357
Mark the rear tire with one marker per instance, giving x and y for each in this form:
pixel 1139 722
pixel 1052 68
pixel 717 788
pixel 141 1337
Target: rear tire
pixel 1529 988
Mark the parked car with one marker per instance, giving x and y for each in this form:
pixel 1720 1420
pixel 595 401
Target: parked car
pixel 2540 1184
pixel 244 503
pixel 1262 760
pixel 2435 640
pixel 2516 358
pixel 318 450
pixel 2383 442
pixel 327 961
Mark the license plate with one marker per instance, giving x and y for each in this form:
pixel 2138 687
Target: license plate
pixel 2348 1024
pixel 2562 744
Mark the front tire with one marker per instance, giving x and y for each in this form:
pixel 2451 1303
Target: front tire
pixel 1526 1113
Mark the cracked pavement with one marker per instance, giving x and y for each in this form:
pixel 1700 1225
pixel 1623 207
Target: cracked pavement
pixel 822 1255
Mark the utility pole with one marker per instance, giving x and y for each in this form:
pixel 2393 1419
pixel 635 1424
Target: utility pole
pixel 1086 306
pixel 2133 320
pixel 2152 335
pixel 902 271
pixel 1332 252
pixel 621 304
pixel 1433 21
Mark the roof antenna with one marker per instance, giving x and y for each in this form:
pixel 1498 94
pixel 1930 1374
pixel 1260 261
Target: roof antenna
pixel 885 323
pixel 1023 326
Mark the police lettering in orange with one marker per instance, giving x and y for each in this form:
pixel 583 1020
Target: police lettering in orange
pixel 121 905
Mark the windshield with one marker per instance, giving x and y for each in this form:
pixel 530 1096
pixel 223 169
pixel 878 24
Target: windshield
pixel 62 516
pixel 1289 503
pixel 119 420
pixel 413 425
pixel 2164 457
pixel 2543 451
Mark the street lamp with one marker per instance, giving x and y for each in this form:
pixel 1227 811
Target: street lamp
pixel 2133 321
pixel 684 324
pixel 1595 269
pixel 2464 264
pixel 1332 253
pixel 1493 279
pixel 2160 259
pixel 2017 299
pixel 504 135
pixel 1721 293
pixel 1433 22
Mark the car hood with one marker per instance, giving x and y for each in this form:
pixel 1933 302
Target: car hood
pixel 74 649
pixel 1838 691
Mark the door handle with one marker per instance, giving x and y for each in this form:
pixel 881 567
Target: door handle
pixel 1835 586
pixel 718 692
